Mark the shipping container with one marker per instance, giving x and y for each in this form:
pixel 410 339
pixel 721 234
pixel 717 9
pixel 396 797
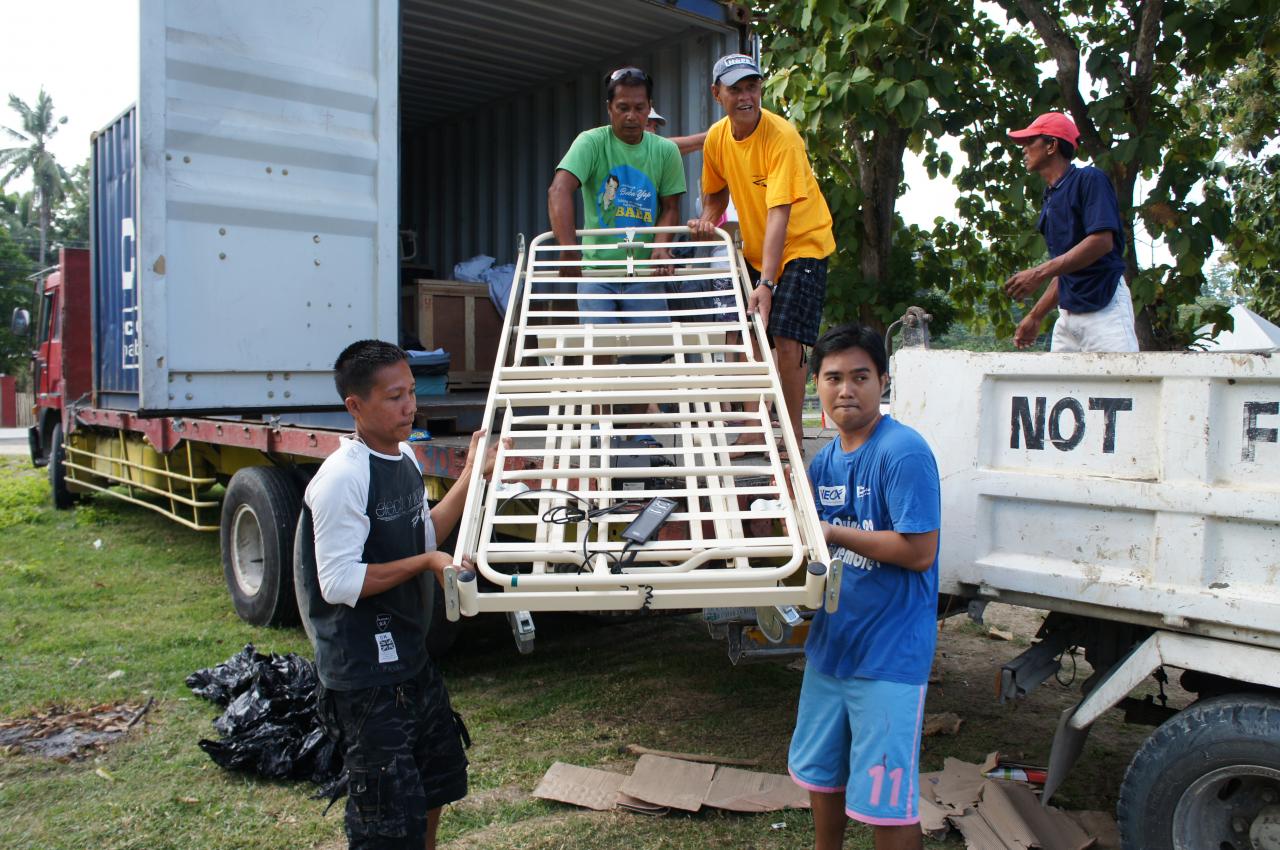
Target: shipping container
pixel 287 152
pixel 113 178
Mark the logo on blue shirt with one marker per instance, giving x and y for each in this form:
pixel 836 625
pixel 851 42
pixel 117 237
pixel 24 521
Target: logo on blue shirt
pixel 834 495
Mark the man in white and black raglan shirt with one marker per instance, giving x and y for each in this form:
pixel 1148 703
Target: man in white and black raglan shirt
pixel 367 600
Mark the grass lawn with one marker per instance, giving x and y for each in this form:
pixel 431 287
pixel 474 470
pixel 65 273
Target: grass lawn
pixel 111 587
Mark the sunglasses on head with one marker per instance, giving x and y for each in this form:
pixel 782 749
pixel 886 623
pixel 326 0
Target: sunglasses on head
pixel 628 73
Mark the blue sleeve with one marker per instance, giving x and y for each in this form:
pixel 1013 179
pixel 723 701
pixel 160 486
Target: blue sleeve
pixel 1099 208
pixel 912 493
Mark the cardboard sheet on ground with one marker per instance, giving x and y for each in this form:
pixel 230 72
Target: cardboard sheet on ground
pixel 581 786
pixel 994 814
pixel 956 787
pixel 670 782
pixel 751 791
pixel 640 807
pixel 660 784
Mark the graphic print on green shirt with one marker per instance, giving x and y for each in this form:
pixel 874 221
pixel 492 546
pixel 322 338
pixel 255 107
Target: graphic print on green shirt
pixel 622 184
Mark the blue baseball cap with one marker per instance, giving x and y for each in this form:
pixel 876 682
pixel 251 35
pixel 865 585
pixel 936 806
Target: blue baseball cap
pixel 736 66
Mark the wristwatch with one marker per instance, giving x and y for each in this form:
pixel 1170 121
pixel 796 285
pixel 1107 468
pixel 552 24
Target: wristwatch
pixel 768 284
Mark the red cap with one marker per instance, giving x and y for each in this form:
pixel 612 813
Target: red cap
pixel 1050 124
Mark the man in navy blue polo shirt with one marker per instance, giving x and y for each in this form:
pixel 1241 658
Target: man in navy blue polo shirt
pixel 1080 221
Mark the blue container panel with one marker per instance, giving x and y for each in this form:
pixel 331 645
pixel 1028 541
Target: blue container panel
pixel 429 385
pixel 116 318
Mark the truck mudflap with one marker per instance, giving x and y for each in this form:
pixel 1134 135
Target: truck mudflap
pixel 640 501
pixel 1252 664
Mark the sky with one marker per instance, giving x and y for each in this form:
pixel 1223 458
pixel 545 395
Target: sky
pixel 84 53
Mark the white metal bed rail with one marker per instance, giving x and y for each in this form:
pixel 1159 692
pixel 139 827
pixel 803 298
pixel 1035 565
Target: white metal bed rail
pixel 605 409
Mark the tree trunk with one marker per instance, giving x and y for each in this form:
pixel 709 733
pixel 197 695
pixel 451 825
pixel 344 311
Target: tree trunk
pixel 44 225
pixel 879 175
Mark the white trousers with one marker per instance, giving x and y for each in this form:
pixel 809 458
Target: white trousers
pixel 1108 329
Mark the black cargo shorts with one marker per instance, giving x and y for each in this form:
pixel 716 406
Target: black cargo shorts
pixel 403 746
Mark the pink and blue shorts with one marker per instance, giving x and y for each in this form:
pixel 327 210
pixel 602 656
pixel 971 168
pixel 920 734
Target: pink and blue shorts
pixel 862 737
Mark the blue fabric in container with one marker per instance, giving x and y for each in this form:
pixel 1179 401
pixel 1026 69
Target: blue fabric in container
pixel 429 385
pixel 429 362
pixel 430 372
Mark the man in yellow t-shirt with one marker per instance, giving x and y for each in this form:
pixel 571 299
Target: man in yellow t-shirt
pixel 759 159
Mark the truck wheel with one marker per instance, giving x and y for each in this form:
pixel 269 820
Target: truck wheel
pixel 57 454
pixel 1207 777
pixel 259 515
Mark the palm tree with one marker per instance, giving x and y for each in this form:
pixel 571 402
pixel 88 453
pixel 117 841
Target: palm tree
pixel 33 157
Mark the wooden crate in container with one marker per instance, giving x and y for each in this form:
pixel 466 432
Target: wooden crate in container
pixel 460 318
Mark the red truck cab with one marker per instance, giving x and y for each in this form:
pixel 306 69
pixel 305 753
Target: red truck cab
pixel 62 363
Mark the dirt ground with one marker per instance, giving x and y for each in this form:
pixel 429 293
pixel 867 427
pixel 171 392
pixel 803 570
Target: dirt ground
pixel 967 668
pixel 968 662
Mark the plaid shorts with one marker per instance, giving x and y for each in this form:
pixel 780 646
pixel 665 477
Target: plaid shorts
pixel 403 749
pixel 796 311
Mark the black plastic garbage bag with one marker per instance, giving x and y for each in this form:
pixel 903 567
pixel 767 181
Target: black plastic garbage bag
pixel 270 726
pixel 220 684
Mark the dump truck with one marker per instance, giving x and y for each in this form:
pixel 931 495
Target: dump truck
pixel 291 179
pixel 1135 498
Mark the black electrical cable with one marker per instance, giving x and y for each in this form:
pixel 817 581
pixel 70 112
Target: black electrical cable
pixel 583 512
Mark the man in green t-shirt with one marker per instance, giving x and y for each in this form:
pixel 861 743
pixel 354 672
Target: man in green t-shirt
pixel 628 178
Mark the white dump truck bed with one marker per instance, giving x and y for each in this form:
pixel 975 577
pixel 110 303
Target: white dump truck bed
pixel 1143 488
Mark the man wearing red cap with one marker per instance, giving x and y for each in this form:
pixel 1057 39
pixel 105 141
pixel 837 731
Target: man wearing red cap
pixel 1080 221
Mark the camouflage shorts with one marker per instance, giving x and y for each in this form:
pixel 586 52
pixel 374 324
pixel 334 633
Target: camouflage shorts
pixel 403 745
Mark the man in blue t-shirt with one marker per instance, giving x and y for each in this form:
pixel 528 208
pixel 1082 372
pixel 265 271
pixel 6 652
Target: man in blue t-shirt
pixel 1080 221
pixel 856 745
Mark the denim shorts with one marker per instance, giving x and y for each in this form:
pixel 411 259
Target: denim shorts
pixel 403 746
pixel 611 296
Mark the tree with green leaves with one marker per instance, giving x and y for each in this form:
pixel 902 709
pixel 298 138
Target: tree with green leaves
pixel 866 81
pixel 1246 103
pixel 70 222
pixel 18 216
pixel 1121 70
pixel 15 291
pixel 32 157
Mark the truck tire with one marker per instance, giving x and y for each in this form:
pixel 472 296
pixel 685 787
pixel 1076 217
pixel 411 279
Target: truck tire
pixel 1204 777
pixel 259 516
pixel 57 455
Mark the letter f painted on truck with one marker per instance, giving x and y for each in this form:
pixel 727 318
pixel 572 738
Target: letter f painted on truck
pixel 1252 433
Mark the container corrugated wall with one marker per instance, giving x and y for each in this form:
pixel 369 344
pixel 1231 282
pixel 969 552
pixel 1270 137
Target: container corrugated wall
pixel 471 183
pixel 114 254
